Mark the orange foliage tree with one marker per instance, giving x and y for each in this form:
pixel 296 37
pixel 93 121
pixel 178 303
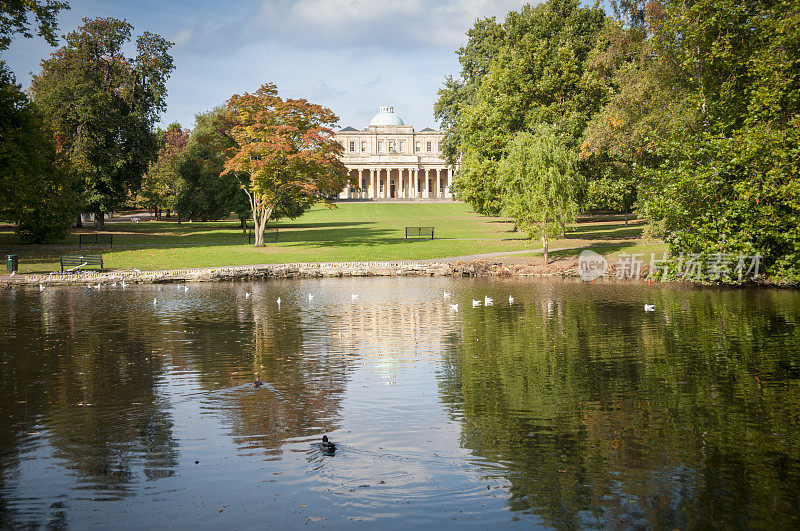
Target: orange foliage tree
pixel 283 152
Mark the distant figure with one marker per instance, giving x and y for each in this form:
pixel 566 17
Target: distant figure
pixel 258 382
pixel 487 301
pixel 649 307
pixel 475 303
pixel 327 446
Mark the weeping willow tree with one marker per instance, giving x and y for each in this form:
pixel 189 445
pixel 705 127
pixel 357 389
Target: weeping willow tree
pixel 540 183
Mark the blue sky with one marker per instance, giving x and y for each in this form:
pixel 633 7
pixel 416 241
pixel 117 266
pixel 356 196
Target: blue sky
pixel 350 55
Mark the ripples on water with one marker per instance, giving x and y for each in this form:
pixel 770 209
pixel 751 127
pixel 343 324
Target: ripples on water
pixel 570 408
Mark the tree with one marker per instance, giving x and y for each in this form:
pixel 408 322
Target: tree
pixel 161 184
pixel 103 106
pixel 727 180
pixel 34 182
pixel 533 69
pixel 14 20
pixel 540 183
pixel 284 153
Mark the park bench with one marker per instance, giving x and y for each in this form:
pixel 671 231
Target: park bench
pixel 251 236
pixel 95 239
pixel 77 262
pixel 419 232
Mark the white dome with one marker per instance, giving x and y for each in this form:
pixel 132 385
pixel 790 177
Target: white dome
pixel 386 116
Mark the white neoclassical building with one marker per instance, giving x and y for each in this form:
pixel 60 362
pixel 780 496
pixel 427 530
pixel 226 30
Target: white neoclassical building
pixel 390 160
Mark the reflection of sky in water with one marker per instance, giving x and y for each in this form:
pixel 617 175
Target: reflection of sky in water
pixel 570 408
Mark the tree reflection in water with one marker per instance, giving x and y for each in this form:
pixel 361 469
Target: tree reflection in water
pixel 604 416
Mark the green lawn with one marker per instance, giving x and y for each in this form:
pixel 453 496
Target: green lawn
pixel 351 232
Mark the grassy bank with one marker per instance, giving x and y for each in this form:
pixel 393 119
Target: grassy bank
pixel 351 232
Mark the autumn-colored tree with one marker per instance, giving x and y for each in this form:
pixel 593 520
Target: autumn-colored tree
pixel 161 183
pixel 284 151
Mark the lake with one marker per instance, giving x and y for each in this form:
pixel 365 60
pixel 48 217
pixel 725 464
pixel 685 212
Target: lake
pixel 570 407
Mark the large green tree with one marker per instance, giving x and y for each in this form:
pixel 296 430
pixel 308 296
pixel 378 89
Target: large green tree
pixel 35 185
pixel 283 154
pixel 532 69
pixel 728 178
pixel 104 105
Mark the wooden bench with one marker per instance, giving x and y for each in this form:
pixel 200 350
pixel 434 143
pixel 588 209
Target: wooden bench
pixel 251 236
pixel 77 262
pixel 95 239
pixel 419 232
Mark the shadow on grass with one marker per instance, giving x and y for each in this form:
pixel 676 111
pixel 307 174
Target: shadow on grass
pixel 601 248
pixel 606 231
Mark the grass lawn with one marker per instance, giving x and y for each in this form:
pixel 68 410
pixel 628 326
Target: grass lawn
pixel 351 232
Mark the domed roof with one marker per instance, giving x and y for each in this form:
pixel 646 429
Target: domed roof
pixel 386 116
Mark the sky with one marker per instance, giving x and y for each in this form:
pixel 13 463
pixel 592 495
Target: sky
pixel 352 56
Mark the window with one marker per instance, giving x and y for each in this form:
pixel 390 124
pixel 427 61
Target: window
pixel 391 146
pixel 363 147
pixel 418 148
pixel 352 146
pixel 429 147
pixel 380 146
pixel 402 146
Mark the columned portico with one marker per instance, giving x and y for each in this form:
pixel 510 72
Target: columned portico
pixel 390 160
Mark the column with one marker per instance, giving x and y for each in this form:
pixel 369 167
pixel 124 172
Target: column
pixel 438 183
pixel 373 178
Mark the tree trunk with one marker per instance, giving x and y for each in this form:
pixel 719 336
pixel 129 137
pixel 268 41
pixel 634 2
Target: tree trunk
pixel 99 220
pixel 626 217
pixel 545 248
pixel 79 222
pixel 243 221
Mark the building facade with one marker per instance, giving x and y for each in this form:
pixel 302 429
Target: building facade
pixel 389 160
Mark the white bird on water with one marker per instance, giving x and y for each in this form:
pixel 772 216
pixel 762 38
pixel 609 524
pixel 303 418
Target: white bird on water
pixel 487 301
pixel 159 288
pixel 155 301
pixel 248 295
pixel 475 303
pixel 649 307
pixel 99 285
pixel 510 299
pixel 310 297
pixel 454 307
pixel 123 284
pixel 278 301
pixel 41 287
pixel 354 296
pixel 446 295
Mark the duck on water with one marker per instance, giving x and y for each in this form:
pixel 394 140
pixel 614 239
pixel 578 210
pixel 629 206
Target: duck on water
pixel 327 446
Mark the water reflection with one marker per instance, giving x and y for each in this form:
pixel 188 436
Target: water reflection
pixel 570 408
pixel 606 415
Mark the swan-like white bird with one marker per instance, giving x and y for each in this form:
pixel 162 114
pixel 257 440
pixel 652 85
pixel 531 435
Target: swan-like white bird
pixel 649 307
pixel 454 307
pixel 278 301
pixel 354 296
pixel 159 288
pixel 310 297
pixel 510 299
pixel 475 303
pixel 446 295
pixel 487 301
pixel 123 284
pixel 155 301
pixel 41 287
pixel 248 295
